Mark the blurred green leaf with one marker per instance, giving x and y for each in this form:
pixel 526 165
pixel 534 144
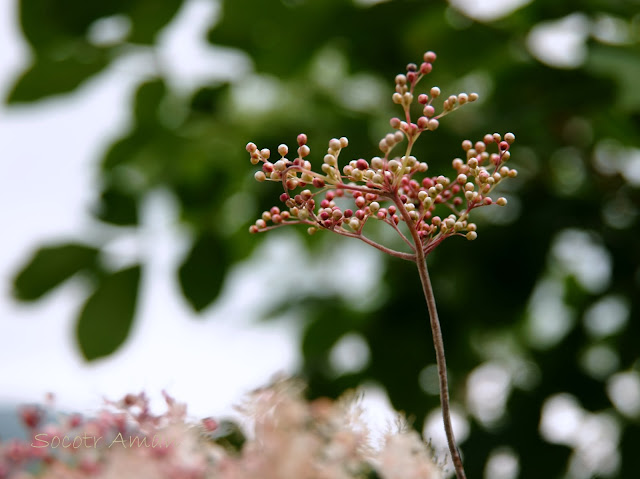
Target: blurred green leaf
pixel 117 207
pixel 49 267
pixel 149 17
pixel 58 31
pixel 623 65
pixel 201 275
pixel 47 24
pixel 52 24
pixel 105 320
pixel 47 77
pixel 147 101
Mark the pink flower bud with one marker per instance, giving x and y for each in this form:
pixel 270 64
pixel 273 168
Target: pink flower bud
pixel 429 57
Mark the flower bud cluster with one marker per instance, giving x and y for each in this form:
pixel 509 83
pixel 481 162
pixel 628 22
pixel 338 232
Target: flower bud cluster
pixel 389 188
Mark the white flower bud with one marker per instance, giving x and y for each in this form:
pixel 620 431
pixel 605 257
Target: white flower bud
pixel 334 144
pixel 377 163
pixel 330 160
pixel 394 165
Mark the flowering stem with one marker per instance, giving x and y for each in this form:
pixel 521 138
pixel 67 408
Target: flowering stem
pixel 441 362
pixel 436 332
pixel 380 180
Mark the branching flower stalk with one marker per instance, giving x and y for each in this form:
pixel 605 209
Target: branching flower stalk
pixel 393 188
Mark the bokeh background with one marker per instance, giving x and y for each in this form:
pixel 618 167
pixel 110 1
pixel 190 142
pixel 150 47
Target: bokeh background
pixel 126 195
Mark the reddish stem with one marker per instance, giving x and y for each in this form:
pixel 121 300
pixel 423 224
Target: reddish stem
pixel 438 342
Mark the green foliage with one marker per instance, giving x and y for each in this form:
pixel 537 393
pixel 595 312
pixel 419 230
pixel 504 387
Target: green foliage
pixel 107 316
pixel 203 270
pixel 62 76
pixel 49 267
pixel 313 61
pixel 58 30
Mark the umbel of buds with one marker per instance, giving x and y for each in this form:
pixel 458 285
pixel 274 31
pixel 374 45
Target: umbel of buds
pixel 394 188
